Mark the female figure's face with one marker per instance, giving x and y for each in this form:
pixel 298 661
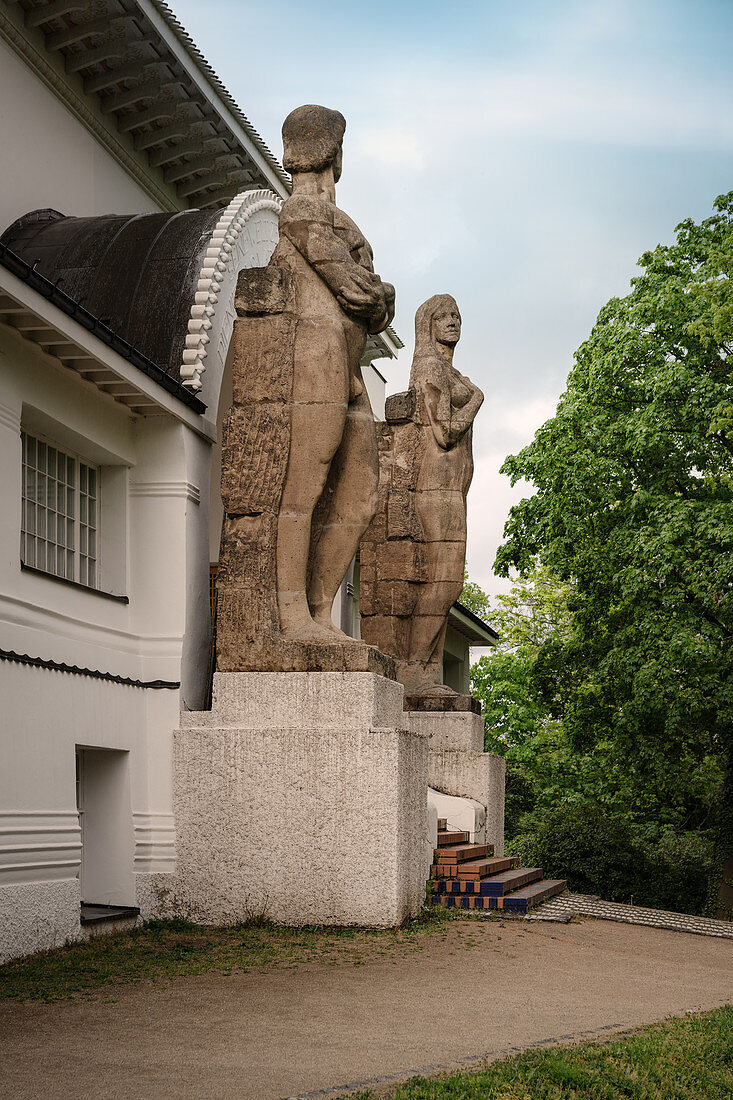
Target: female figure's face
pixel 447 325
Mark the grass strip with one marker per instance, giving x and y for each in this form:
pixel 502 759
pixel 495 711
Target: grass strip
pixel 679 1059
pixel 164 949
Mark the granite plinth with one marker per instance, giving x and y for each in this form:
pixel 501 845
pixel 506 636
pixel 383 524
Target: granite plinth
pixel 457 765
pixel 450 731
pixel 298 797
pixel 277 654
pixel 440 704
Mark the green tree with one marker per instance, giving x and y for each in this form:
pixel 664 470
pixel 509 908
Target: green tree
pixel 518 722
pixel 585 814
pixel 473 597
pixel 633 508
pixel 532 614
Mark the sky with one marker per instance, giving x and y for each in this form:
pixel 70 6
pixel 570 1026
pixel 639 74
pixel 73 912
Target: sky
pixel 519 156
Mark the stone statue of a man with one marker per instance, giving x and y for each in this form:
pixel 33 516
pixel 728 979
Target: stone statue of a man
pixel 338 301
pixel 413 554
pixel 300 463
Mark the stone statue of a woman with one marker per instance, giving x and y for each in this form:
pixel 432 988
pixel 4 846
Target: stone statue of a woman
pixel 426 466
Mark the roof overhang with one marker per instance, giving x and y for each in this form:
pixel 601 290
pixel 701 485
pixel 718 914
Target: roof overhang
pixel 67 344
pixel 385 345
pixel 132 76
pixel 130 73
pixel 471 626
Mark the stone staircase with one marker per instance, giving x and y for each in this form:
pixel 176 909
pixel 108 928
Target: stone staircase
pixel 470 876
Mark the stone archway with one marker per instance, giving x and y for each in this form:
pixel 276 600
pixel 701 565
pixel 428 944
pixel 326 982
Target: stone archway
pixel 244 236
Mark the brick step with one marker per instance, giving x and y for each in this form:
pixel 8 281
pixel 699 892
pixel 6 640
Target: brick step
pixel 505 882
pixel 474 869
pixel 445 838
pixel 457 853
pixel 464 883
pixel 520 902
pixel 508 881
pixel 442 823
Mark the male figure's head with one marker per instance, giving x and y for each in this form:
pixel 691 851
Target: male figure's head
pixel 312 140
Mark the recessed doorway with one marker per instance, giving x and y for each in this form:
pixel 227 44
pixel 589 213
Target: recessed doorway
pixel 105 816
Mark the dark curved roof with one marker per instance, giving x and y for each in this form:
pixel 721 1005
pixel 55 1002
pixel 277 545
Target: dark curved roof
pixel 136 274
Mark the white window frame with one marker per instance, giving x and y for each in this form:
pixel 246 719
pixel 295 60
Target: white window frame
pixel 81 528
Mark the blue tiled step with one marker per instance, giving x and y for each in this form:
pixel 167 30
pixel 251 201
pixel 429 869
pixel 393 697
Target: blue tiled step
pixel 519 902
pixel 522 900
pixel 496 885
pixel 509 881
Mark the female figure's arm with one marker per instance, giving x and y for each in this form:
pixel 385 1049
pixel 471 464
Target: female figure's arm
pixel 448 421
pixel 462 418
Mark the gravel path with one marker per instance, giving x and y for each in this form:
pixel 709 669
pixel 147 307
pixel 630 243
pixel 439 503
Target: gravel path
pixel 475 989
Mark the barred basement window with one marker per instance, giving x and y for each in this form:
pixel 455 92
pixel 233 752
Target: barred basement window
pixel 59 522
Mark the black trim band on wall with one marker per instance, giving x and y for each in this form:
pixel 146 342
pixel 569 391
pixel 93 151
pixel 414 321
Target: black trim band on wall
pixel 93 673
pixel 73 584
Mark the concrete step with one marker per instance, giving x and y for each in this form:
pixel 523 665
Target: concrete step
pixel 445 838
pixel 458 853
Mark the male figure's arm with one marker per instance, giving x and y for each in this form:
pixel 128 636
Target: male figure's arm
pixel 308 225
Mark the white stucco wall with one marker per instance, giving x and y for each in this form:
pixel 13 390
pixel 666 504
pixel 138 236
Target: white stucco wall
pixel 55 160
pixel 376 388
pixel 156 543
pixel 159 560
pixel 155 535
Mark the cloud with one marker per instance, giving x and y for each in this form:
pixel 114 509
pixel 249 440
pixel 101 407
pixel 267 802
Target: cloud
pixel 391 147
pixel 461 114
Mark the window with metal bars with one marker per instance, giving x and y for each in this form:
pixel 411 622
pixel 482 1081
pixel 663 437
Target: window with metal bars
pixel 59 527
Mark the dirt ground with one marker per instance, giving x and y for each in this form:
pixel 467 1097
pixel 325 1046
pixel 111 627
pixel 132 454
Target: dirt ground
pixel 477 989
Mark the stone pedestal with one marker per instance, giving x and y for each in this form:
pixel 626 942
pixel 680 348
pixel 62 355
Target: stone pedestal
pixel 457 764
pixel 298 797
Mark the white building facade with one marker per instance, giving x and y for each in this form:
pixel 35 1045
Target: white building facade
pixel 109 458
pixel 134 191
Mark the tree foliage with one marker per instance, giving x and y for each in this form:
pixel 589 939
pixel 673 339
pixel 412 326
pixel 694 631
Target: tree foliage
pixel 634 479
pixel 587 814
pixel 533 614
pixel 473 597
